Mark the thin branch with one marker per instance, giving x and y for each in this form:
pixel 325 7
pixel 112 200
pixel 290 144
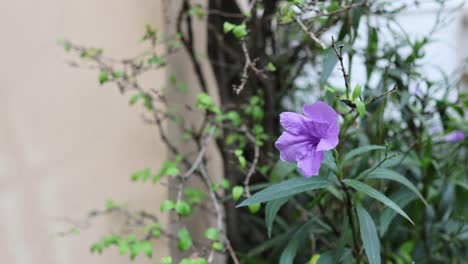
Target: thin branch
pixel 309 32
pixel 339 54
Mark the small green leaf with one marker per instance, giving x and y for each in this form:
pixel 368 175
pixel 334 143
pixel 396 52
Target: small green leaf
pixel 118 74
pixel 141 175
pixel 287 188
pixel 172 171
pixel 237 192
pixel 123 248
pixel 218 246
pixel 271 210
pixel 254 208
pixel 362 187
pixel 167 206
pixel 183 87
pixel 103 77
pixel 356 92
pixel 212 233
pixel 110 205
pixel 183 208
pixel 167 260
pixel 147 248
pixel 369 236
pixel 225 184
pixel 271 67
pixel 361 107
pixel 228 27
pixel 240 31
pixel 155 60
pixel 185 241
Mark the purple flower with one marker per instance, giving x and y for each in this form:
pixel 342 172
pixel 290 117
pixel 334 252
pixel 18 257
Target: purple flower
pixel 455 136
pixel 306 137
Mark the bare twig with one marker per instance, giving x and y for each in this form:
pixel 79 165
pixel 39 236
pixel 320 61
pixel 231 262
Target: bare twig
pixel 309 32
pixel 339 54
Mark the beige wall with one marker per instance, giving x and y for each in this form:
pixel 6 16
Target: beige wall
pixel 66 143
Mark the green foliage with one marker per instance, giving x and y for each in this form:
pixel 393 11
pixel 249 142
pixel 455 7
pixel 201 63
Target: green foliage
pixel 239 31
pixel 287 188
pixel 362 187
pixel 185 240
pixel 183 208
pixel 103 77
pixel 212 233
pixel 369 236
pixel 389 161
pixel 237 192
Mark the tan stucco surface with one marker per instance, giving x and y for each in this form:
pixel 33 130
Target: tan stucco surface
pixel 66 143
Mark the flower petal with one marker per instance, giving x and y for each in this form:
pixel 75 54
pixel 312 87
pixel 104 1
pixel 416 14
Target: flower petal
pixel 293 147
pixel 320 112
pixel 331 140
pixel 455 136
pixel 293 122
pixel 310 166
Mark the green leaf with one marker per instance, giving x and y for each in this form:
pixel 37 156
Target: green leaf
pixel 147 248
pixel 118 74
pixel 185 241
pixel 362 187
pixel 155 60
pixel 271 210
pixel 123 248
pixel 141 175
pixel 287 188
pixel 403 197
pixel 387 174
pixel 240 31
pixel 271 67
pixel 103 77
pixel 110 205
pixel 356 92
pixel 212 233
pixel 369 236
pixel 228 27
pixel 218 246
pixel 167 206
pixel 225 184
pixel 359 151
pixel 297 240
pixel 281 170
pixel 326 258
pixel 183 208
pixel 237 192
pixel 172 171
pixel 167 260
pixel 254 208
pixel 361 108
pixel 329 63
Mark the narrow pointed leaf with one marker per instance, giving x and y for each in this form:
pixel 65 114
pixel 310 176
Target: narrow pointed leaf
pixel 369 236
pixel 402 198
pixel 386 174
pixel 359 151
pixel 362 187
pixel 297 240
pixel 287 188
pixel 271 210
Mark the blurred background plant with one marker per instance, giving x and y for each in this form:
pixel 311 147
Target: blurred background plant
pixel 402 151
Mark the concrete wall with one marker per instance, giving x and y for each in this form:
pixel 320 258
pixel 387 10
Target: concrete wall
pixel 66 143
